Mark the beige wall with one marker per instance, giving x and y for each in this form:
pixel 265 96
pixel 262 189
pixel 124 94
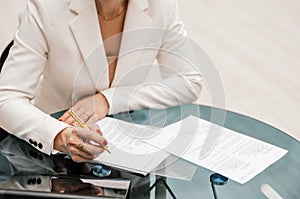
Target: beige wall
pixel 254 45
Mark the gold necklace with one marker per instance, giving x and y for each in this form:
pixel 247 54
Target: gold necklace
pixel 108 18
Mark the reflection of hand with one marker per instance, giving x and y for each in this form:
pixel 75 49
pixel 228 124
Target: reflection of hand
pixel 76 142
pixel 63 165
pixel 70 185
pixel 89 109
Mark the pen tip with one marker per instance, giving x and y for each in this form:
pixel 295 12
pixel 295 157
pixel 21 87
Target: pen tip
pixel 108 151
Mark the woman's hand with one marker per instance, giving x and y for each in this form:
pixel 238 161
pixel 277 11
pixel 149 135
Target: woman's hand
pixel 76 141
pixel 90 110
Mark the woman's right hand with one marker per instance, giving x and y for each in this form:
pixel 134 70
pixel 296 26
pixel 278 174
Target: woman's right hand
pixel 76 141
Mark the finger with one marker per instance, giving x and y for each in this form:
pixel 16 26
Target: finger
pixel 89 147
pixel 99 132
pixel 78 158
pixel 76 107
pixel 87 134
pixel 95 128
pixel 82 113
pixel 64 116
pixel 93 149
pixel 92 120
pixel 80 151
pixel 85 117
pixel 79 110
pixel 87 151
pixel 78 155
pixel 93 138
pixel 69 120
pixel 75 142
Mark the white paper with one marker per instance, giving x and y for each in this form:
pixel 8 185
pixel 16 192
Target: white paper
pixel 127 150
pixel 234 155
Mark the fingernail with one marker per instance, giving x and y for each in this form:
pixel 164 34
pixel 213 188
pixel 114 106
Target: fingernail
pixel 59 119
pixel 99 132
pixel 105 142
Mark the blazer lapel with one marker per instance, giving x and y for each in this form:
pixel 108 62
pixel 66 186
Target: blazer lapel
pixel 86 31
pixel 136 22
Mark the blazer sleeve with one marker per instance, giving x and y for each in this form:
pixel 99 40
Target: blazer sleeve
pixel 21 73
pixel 181 80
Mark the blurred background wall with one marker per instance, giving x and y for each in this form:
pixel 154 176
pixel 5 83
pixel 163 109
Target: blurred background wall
pixel 255 46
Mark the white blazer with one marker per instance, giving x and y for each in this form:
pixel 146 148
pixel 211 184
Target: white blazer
pixel 58 58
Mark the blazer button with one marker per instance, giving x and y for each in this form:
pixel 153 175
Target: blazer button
pixel 30 141
pixel 35 154
pixel 29 181
pixel 33 180
pixel 39 181
pixel 35 143
pixel 41 157
pixel 31 153
pixel 40 145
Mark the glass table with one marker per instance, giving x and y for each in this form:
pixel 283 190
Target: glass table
pixel 18 157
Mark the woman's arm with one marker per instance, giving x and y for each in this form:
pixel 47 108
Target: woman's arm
pixel 21 74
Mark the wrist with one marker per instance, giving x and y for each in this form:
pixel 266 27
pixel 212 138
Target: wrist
pixel 101 99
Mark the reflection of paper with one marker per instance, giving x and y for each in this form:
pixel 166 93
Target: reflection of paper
pixel 108 183
pixel 237 156
pixel 128 151
pixel 174 167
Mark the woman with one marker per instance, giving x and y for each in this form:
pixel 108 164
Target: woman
pixel 70 54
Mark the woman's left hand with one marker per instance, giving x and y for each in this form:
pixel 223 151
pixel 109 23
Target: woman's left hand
pixel 90 110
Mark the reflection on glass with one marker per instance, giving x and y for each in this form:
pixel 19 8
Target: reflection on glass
pixel 79 187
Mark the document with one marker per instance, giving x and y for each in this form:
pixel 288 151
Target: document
pixel 128 151
pixel 232 154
